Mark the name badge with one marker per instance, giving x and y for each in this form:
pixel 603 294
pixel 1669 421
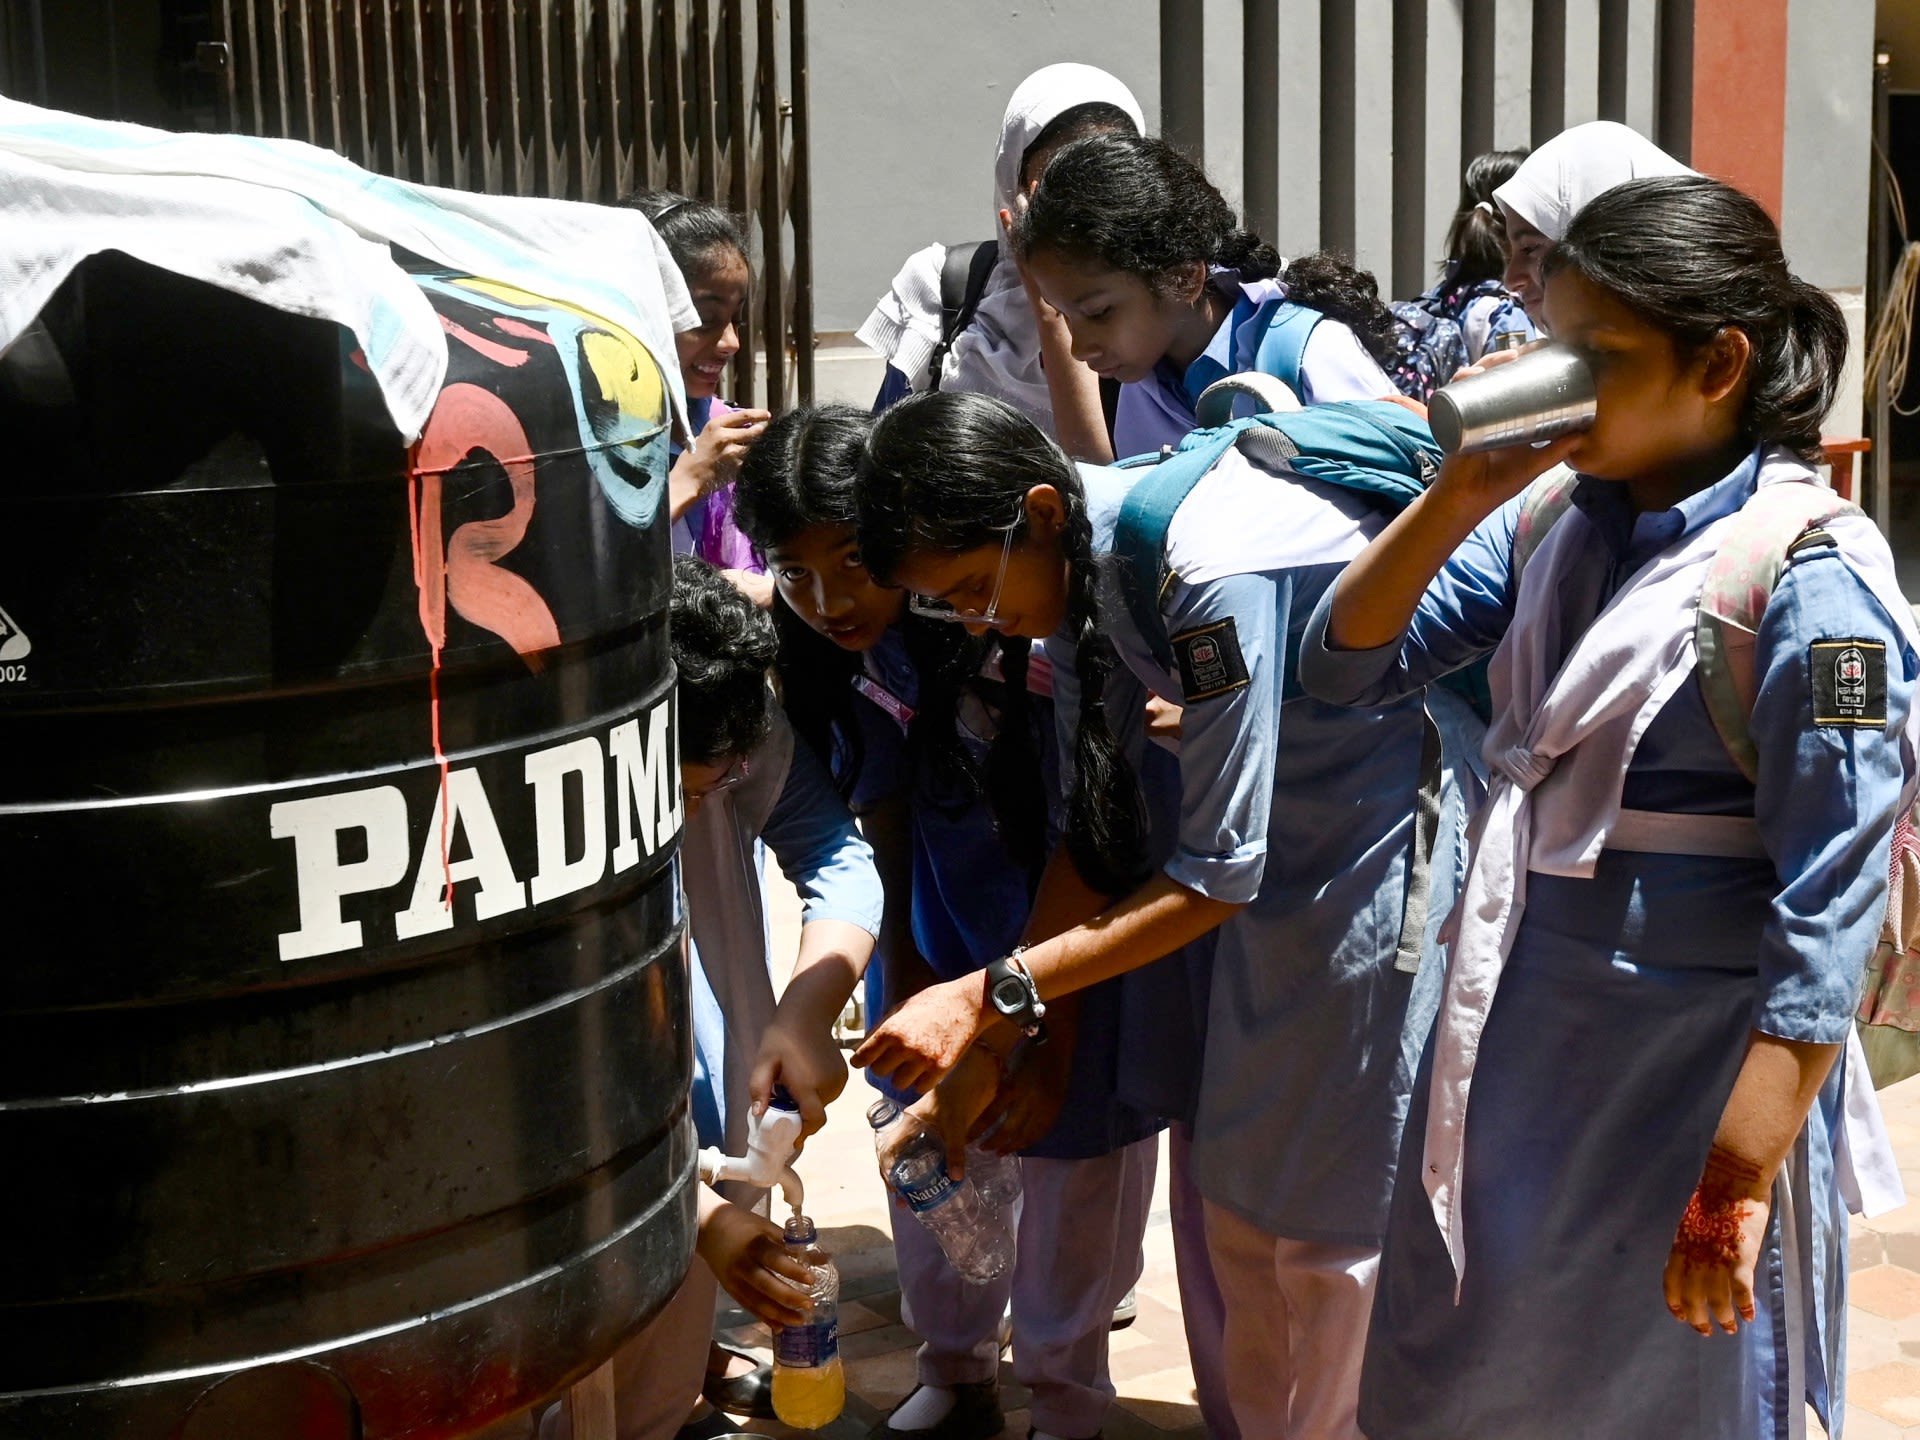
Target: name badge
pixel 901 712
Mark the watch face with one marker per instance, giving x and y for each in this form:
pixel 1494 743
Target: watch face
pixel 1010 996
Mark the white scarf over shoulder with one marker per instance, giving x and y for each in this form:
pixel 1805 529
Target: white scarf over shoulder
pixel 1558 751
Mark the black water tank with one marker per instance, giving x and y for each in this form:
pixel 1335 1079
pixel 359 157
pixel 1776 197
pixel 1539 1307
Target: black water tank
pixel 266 1103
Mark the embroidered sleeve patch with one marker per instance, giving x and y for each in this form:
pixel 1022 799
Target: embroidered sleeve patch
pixel 1849 682
pixel 1211 663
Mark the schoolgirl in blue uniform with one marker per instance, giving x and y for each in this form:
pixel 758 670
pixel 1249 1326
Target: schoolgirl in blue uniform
pixel 1163 291
pixel 1295 836
pixel 937 738
pixel 744 780
pixel 1470 295
pixel 1628 1136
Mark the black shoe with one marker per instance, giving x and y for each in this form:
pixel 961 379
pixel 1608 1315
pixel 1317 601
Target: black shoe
pixel 975 1415
pixel 750 1394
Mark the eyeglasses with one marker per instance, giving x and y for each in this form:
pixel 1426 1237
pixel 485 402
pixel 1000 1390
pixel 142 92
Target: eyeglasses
pixel 733 775
pixel 928 608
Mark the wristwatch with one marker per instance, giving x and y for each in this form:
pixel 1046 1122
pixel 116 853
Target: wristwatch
pixel 1014 995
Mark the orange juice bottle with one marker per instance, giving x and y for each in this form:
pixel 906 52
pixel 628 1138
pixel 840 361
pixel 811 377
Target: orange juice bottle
pixel 809 1380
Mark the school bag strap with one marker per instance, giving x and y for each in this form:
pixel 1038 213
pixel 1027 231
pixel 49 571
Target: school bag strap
pixel 1283 344
pixel 1776 524
pixel 1373 446
pixel 1542 504
pixel 963 280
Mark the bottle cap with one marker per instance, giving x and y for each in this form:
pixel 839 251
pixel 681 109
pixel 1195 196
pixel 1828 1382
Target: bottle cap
pixel 782 1099
pixel 800 1230
pixel 880 1114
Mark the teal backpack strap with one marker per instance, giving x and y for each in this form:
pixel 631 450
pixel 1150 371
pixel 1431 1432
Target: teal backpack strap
pixel 1284 345
pixel 1760 542
pixel 1140 533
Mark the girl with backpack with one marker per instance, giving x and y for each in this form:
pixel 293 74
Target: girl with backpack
pixel 1294 839
pixel 934 735
pixel 992 333
pixel 1470 311
pixel 709 247
pixel 979 329
pixel 1629 1127
pixel 1164 292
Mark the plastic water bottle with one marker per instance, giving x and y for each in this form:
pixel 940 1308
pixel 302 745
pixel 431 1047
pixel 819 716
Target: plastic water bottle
pixel 976 1238
pixel 997 1177
pixel 809 1378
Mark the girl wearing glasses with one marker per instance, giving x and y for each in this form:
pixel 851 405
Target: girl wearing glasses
pixel 936 736
pixel 1293 842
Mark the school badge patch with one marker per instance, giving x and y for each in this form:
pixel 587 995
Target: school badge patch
pixel 1849 682
pixel 1211 663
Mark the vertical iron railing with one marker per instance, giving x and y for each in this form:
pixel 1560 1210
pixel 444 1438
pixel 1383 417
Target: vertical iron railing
pixel 577 99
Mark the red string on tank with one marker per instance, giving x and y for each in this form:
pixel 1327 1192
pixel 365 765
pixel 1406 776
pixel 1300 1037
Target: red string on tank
pixel 435 636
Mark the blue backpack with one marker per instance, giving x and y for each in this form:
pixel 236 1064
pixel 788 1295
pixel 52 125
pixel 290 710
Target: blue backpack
pixel 1375 447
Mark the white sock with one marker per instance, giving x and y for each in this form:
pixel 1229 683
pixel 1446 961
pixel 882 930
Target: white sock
pixel 924 1409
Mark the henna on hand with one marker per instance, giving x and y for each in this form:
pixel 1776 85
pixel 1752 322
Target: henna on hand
pixel 1709 1273
pixel 1709 1231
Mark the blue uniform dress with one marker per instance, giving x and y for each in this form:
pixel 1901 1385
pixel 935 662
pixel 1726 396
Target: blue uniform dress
pixel 1158 410
pixel 971 900
pixel 1302 812
pixel 1619 1025
pixel 788 802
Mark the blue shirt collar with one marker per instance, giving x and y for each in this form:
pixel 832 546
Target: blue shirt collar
pixel 1639 536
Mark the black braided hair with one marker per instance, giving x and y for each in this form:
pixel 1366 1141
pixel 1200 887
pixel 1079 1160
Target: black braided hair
pixel 946 472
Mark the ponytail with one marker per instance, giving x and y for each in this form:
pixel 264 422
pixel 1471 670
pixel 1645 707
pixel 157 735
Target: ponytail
pixel 1107 824
pixel 1693 257
pixel 946 472
pixel 1016 788
pixel 1794 387
pixel 1250 257
pixel 1330 283
pixel 1475 249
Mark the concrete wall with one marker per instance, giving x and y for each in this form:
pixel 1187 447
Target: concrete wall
pixel 907 100
pixel 1827 154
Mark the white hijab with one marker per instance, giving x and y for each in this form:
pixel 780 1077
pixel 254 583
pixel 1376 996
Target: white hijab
pixel 1557 181
pixel 999 354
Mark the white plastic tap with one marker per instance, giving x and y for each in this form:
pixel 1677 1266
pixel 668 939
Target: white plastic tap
pixel 772 1138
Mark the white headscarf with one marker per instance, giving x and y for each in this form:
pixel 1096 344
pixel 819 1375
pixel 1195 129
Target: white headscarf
pixel 1556 182
pixel 999 354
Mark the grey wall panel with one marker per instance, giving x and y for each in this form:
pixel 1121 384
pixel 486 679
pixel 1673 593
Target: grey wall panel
pixel 1825 165
pixel 1427 137
pixel 1628 36
pixel 1512 73
pixel 1297 107
pixel 907 100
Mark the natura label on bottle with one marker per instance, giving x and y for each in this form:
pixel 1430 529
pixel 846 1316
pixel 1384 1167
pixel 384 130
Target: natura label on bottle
pixel 934 1191
pixel 805 1346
